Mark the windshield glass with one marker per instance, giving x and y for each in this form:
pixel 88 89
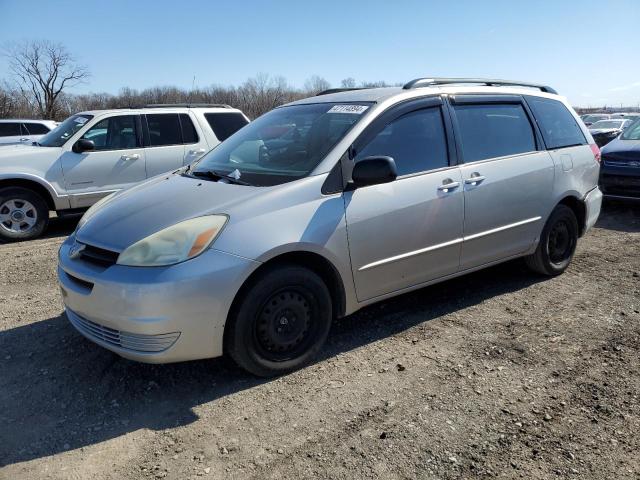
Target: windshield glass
pixel 607 124
pixel 594 118
pixel 632 132
pixel 283 145
pixel 59 135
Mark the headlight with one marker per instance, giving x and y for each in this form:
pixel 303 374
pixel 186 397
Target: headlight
pixel 93 210
pixel 174 244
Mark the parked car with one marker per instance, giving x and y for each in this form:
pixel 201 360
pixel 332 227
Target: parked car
pixel 606 130
pixel 24 131
pixel 92 154
pixel 627 115
pixel 592 118
pixel 365 195
pixel 620 172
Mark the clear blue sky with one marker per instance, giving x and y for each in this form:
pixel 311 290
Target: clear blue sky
pixel 586 49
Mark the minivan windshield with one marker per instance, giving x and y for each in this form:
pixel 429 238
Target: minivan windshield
pixel 283 145
pixel 63 132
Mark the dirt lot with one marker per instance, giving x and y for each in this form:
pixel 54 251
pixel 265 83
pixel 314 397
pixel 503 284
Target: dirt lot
pixel 497 374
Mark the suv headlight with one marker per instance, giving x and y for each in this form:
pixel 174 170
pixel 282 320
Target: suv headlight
pixel 174 244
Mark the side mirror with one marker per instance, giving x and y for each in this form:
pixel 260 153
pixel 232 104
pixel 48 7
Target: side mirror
pixel 83 145
pixel 373 171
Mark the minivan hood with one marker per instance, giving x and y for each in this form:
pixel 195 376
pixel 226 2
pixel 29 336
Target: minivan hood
pixel 135 213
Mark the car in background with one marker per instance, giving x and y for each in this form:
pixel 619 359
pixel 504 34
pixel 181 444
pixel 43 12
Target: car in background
pixel 620 170
pixel 626 115
pixel 606 130
pixel 14 131
pixel 591 118
pixel 95 153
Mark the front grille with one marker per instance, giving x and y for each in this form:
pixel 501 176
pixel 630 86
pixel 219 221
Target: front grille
pixel 622 185
pixel 134 342
pixel 99 256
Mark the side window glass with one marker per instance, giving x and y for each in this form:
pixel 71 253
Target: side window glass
pixel 114 133
pixel 225 124
pixel 416 141
pixel 164 129
pixel 559 128
pixel 9 129
pixel 493 130
pixel 189 134
pixel 35 129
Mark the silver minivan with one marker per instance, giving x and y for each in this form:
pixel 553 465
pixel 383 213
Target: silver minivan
pixel 323 206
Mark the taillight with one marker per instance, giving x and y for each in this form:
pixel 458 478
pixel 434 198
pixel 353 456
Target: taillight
pixel 596 152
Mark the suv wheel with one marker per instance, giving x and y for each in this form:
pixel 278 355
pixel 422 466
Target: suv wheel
pixel 281 322
pixel 23 214
pixel 557 243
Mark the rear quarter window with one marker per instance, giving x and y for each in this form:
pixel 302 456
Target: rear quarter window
pixel 558 126
pixel 225 124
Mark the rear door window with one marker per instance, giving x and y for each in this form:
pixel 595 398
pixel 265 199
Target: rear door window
pixel 225 124
pixel 36 128
pixel 164 129
pixel 493 130
pixel 559 128
pixel 9 129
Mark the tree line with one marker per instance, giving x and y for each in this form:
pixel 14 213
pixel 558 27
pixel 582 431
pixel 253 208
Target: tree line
pixel 42 72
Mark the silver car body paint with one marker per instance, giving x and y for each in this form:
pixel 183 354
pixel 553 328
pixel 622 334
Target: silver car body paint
pixel 381 240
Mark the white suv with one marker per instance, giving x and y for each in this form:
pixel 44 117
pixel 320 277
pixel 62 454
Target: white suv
pixel 23 131
pixel 92 154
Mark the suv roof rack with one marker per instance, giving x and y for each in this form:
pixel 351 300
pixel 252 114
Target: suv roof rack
pixel 186 105
pixel 427 82
pixel 338 90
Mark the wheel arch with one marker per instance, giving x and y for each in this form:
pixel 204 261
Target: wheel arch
pixel 579 209
pixel 311 260
pixel 33 185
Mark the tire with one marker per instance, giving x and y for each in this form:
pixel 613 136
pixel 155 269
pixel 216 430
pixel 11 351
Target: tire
pixel 24 214
pixel 557 243
pixel 281 321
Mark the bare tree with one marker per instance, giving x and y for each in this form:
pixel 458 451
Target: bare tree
pixel 42 70
pixel 316 84
pixel 349 82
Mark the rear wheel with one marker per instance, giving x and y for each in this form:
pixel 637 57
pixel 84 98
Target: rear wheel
pixel 557 243
pixel 23 214
pixel 281 322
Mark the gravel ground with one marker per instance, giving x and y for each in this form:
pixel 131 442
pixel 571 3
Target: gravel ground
pixel 497 374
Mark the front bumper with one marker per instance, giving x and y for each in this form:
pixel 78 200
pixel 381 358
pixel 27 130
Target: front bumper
pixel 620 181
pixel 154 314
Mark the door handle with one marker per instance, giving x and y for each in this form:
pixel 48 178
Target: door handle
pixel 24 139
pixel 134 156
pixel 199 151
pixel 475 179
pixel 448 184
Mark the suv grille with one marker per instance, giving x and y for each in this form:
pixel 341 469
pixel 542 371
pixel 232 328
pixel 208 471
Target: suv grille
pixel 99 256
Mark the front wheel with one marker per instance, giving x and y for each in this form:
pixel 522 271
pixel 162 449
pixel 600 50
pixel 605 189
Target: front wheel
pixel 23 214
pixel 281 322
pixel 557 243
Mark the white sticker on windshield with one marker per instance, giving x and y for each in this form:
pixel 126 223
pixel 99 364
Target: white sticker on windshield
pixel 357 109
pixel 81 120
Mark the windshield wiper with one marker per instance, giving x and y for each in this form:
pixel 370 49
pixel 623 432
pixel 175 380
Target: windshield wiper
pixel 213 175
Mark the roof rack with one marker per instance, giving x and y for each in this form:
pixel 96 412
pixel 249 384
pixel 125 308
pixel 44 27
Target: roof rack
pixel 338 90
pixel 490 82
pixel 186 105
